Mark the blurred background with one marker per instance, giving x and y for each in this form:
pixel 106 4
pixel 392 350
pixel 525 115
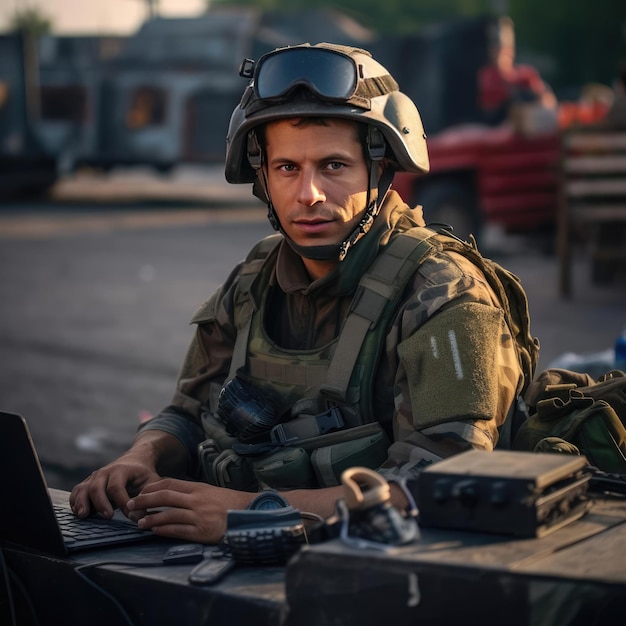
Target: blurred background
pixel 116 222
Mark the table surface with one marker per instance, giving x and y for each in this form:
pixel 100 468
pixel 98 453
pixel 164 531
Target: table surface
pixel 588 551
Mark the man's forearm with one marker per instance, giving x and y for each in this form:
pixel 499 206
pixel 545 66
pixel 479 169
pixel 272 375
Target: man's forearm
pixel 162 451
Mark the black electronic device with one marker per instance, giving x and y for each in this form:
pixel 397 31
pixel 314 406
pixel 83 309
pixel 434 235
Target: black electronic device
pixel 265 536
pixel 185 553
pixel 525 494
pixel 210 570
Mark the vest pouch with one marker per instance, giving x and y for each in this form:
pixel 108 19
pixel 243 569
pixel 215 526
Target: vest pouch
pixel 287 469
pixel 340 436
pixel 329 462
pixel 215 430
pixel 226 468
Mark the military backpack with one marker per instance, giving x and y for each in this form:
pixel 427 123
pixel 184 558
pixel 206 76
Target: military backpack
pixel 572 413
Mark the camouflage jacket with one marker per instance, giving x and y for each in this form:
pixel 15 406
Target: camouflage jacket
pixel 431 406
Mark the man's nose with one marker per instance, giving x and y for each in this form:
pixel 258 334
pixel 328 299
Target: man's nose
pixel 310 191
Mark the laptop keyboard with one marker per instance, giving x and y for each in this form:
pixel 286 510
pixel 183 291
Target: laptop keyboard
pixel 94 530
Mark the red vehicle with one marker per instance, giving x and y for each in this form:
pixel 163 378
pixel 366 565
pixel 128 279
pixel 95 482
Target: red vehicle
pixel 483 175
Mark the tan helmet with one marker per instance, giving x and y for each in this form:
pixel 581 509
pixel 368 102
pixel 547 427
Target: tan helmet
pixel 330 81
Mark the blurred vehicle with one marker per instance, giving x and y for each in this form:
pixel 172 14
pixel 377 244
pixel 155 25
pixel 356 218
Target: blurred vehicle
pixel 159 98
pixel 25 164
pixel 488 175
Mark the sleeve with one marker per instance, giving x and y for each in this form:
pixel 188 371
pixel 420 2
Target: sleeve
pixel 458 371
pixel 530 80
pixel 534 80
pixel 180 424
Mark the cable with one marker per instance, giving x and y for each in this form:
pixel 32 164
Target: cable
pixel 9 576
pixel 5 571
pixel 79 572
pixel 27 599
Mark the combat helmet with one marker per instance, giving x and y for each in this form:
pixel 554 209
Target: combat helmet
pixel 326 80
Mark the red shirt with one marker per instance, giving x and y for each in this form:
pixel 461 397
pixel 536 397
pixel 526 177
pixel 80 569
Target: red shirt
pixel 496 89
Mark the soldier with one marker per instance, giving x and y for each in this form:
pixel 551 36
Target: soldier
pixel 355 336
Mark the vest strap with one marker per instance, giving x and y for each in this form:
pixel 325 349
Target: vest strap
pixel 249 271
pixel 307 426
pixel 383 284
pixel 292 374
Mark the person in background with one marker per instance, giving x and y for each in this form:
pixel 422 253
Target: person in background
pixel 502 83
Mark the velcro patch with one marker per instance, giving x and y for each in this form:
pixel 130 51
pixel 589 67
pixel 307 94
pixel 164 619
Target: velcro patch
pixel 452 364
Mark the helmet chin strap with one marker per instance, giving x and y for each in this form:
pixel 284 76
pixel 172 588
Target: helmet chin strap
pixel 339 251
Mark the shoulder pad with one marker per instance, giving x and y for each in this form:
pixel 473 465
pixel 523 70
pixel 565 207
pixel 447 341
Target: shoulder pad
pixel 206 311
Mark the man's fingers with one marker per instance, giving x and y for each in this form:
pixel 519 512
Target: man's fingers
pixel 119 487
pixel 164 516
pixel 169 484
pixel 176 523
pixel 149 500
pixel 91 495
pixel 107 489
pixel 79 501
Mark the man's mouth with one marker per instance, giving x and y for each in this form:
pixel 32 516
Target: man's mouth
pixel 313 225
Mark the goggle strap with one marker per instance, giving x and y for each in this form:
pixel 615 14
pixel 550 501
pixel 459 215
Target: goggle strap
pixel 376 86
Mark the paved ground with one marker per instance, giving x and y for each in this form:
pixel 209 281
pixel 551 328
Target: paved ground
pixel 97 289
pixel 188 183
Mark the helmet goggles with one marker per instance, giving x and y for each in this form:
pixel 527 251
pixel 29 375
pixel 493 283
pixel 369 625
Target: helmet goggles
pixel 326 73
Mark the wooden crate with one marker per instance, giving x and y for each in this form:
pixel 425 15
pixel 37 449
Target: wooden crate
pixel 592 206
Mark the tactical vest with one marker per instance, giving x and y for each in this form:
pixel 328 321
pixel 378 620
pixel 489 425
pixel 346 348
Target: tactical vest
pixel 330 390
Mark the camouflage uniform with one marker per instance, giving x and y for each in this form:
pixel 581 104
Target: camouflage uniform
pixel 433 401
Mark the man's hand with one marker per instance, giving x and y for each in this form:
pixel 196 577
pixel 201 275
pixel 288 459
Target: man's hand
pixel 111 486
pixel 186 510
pixel 198 512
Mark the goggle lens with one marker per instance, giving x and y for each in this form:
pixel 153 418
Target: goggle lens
pixel 329 74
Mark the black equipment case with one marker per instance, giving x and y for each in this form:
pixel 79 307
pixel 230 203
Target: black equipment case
pixel 524 494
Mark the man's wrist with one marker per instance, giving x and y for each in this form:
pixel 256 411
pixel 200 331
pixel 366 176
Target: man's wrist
pixel 159 450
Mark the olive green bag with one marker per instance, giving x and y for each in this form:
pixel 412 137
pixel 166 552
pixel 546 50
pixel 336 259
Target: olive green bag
pixel 572 413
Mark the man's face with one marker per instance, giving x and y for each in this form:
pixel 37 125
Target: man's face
pixel 317 178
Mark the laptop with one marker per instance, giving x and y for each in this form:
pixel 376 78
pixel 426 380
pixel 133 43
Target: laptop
pixel 28 516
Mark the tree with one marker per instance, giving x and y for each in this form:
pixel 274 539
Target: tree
pixel 31 20
pixel 585 41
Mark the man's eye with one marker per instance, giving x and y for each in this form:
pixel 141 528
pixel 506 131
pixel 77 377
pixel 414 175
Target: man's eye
pixel 335 165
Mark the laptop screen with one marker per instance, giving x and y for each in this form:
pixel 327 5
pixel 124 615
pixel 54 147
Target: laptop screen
pixel 27 517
